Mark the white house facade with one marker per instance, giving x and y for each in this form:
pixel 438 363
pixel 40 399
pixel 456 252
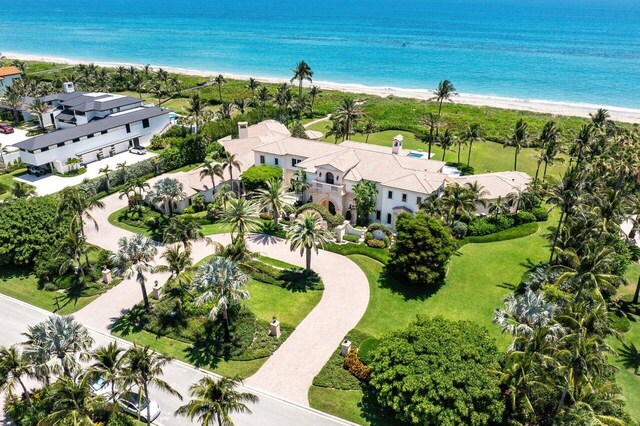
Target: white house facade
pixel 7 76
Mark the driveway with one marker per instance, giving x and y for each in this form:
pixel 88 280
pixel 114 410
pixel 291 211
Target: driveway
pixel 18 135
pixel 289 372
pixel 48 184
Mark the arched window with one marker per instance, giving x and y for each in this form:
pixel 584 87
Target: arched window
pixel 329 178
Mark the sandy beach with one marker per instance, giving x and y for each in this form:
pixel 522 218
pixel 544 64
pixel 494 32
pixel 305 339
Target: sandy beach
pixel 628 115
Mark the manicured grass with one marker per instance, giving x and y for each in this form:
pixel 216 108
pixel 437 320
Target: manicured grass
pixel 628 381
pixel 7 180
pixel 485 156
pixel 290 307
pixel 278 263
pixel 381 255
pixel 631 277
pixel 21 284
pixel 215 228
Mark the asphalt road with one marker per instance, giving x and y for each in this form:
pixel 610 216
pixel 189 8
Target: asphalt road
pixel 15 316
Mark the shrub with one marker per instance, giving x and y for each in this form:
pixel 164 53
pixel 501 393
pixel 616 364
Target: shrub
pixel 423 248
pixel 501 222
pixel 351 238
pixel 120 419
pixel 189 210
pixel 541 214
pixel 375 243
pixel 524 217
pixel 381 255
pixel 519 231
pixel 266 216
pixel 332 220
pixel 459 229
pixel 366 350
pixel 356 367
pixel 150 222
pixel 268 227
pixel 481 226
pixel 256 177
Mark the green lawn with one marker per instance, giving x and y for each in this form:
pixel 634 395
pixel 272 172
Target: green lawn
pixel 6 180
pixel 485 156
pixel 480 275
pixel 628 381
pixel 278 263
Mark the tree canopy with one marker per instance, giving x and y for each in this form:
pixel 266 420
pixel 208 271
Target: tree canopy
pixel 256 177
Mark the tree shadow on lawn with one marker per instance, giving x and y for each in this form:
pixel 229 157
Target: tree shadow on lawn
pixel 408 291
pixel 373 412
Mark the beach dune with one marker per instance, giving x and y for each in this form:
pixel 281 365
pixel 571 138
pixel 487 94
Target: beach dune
pixel 627 115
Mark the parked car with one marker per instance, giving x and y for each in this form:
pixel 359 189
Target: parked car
pixel 37 170
pixel 140 150
pixel 131 401
pixel 6 129
pixel 100 387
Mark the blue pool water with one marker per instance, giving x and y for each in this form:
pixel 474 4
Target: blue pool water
pixel 415 155
pixel 568 50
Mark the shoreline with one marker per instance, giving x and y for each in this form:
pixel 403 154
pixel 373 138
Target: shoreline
pixel 622 114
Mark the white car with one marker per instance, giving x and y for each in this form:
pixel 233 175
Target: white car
pixel 140 150
pixel 129 403
pixel 100 387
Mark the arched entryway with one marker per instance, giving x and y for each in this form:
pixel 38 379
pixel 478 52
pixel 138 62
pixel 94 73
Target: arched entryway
pixel 329 206
pixel 329 178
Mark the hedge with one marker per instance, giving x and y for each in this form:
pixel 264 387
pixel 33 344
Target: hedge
pixel 256 177
pixel 519 231
pixel 379 254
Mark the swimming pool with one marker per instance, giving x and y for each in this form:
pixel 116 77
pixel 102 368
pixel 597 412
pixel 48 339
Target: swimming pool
pixel 416 155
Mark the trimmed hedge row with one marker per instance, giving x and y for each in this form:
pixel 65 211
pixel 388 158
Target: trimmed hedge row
pixel 519 231
pixel 379 254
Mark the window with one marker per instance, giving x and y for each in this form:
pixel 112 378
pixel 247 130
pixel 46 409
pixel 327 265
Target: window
pixel 104 132
pixel 390 195
pixel 262 159
pixel 378 214
pixel 419 200
pixel 90 136
pixel 275 161
pixel 389 218
pixel 404 198
pixel 145 123
pixel 61 144
pixel 76 140
pixel 128 127
pixel 329 178
pixel 294 162
pixel 46 148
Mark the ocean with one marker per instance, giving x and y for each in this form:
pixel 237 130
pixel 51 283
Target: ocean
pixel 563 50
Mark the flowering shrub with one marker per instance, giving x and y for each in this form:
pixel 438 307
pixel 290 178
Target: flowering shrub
pixel 356 367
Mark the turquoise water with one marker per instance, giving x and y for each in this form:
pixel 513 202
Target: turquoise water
pixel 567 50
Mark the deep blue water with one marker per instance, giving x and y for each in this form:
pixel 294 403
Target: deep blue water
pixel 568 50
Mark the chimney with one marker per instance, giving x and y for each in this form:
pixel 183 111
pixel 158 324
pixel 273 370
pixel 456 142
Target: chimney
pixel 396 148
pixel 68 87
pixel 243 130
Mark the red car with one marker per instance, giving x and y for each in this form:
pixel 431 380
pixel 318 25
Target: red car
pixel 6 129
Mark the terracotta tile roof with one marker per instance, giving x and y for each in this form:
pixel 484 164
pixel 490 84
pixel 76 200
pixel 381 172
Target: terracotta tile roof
pixel 499 184
pixel 7 71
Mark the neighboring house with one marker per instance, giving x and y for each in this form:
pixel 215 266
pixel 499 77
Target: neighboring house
pixel 495 185
pixel 191 185
pixel 7 77
pixel 403 178
pixel 91 126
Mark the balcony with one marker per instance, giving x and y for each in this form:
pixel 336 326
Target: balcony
pixel 328 188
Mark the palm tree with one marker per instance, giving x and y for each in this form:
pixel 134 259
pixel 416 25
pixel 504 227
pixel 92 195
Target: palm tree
pixel 178 260
pixel 582 142
pixel 213 401
pixel 21 190
pixel 230 161
pixel 458 201
pixel 134 256
pixel 73 403
pixel 183 230
pixel 471 134
pixel 167 191
pixel 518 140
pixel 195 108
pixel 443 93
pixel 337 128
pixel 242 215
pixel 314 93
pixel 242 104
pixel 72 247
pixel 275 196
pixel 211 169
pixel 143 368
pixel 59 338
pixel 432 121
pixel 225 111
pixel 263 97
pixel 39 108
pixel 348 111
pixel 499 207
pixel 107 365
pixel 520 199
pixel 252 85
pixel 563 194
pixel 476 193
pixel 220 80
pixel 13 100
pixel 307 234
pixel 222 281
pixel 105 171
pixel 301 72
pixel 369 126
pixel 548 136
pixel 299 183
pixel 14 366
pixel 445 141
pixel 600 118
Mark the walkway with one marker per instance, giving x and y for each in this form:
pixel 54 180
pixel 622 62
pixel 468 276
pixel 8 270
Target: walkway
pixel 289 372
pixel 319 120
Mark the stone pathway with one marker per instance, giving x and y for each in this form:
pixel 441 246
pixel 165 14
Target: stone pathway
pixel 289 372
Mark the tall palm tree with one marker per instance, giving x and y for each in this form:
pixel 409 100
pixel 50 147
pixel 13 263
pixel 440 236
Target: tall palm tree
pixel 213 401
pixel 548 136
pixel 222 281
pixel 476 193
pixel 38 108
pixel 446 141
pixel 225 111
pixel 432 121
pixel 178 260
pixel 458 201
pixel 230 162
pixel 518 140
pixel 242 104
pixel 21 190
pixel 211 169
pixel 499 207
pixel 73 403
pixel 183 230
pixel 471 134
pixel 299 183
pixel 107 365
pixel 263 97
pixel 582 142
pixel 72 247
pixel 563 194
pixel 275 196
pixel 13 100
pixel 301 72
pixel 336 129
pixel 195 108
pixel 220 80
pixel 252 85
pixel 143 368
pixel 58 338
pixel 307 234
pixel 600 118
pixel 167 191
pixel 349 111
pixel 105 171
pixel 242 215
pixel 369 126
pixel 314 93
pixel 134 257
pixel 14 367
pixel 443 93
pixel 122 169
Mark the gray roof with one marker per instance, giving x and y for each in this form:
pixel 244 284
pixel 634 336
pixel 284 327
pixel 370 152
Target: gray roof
pixel 95 126
pixel 99 103
pixel 61 96
pixel 66 116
